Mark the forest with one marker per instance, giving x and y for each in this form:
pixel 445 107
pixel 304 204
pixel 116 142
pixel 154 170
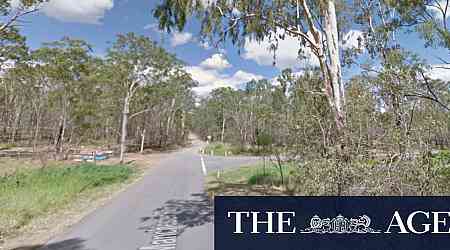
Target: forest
pixel 386 127
pixel 365 111
pixel 60 96
pixel 384 130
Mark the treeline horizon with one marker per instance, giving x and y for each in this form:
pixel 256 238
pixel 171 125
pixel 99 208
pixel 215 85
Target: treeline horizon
pixel 384 130
pixel 62 95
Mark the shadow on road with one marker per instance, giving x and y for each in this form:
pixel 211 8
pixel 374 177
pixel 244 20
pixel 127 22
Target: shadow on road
pixel 188 213
pixel 70 244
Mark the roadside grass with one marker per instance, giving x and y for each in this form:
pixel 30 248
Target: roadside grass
pixel 10 165
pixel 4 146
pixel 252 180
pixel 218 149
pixel 442 157
pixel 225 149
pixel 328 177
pixel 30 193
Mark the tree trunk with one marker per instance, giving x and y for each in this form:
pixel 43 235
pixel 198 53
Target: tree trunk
pixel 16 124
pixel 334 67
pixel 63 133
pixel 142 141
pixel 123 137
pixel 37 127
pixel 183 127
pixel 334 88
pixel 59 140
pixel 222 134
pixel 169 122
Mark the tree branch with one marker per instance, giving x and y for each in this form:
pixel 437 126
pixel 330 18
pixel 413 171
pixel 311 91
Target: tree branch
pixel 15 17
pixel 141 112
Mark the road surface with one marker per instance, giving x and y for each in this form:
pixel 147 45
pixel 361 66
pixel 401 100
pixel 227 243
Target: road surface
pixel 166 209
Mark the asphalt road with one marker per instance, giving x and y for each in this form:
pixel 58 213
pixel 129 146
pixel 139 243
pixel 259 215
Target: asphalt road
pixel 166 209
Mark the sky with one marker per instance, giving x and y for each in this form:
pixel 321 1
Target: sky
pixel 99 21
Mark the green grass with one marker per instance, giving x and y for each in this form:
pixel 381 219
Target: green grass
pixel 4 146
pixel 442 157
pixel 257 174
pixel 218 149
pixel 252 180
pixel 30 193
pixel 225 149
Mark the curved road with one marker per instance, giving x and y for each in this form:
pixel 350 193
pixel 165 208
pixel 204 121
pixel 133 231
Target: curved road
pixel 166 209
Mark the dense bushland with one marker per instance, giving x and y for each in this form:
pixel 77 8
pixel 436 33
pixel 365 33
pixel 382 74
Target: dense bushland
pixel 389 146
pixel 61 96
pixel 349 101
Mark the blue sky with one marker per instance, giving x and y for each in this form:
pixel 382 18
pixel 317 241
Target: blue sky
pixel 98 22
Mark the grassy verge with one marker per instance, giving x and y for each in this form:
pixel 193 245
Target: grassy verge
pixel 252 180
pixel 30 193
pixel 224 149
pixel 218 149
pixel 414 177
pixel 4 146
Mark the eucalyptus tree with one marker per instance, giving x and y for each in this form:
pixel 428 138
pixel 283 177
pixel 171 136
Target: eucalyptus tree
pixel 222 100
pixel 12 48
pixel 163 109
pixel 178 88
pixel 314 23
pixel 11 13
pixel 136 63
pixel 21 93
pixel 218 114
pixel 131 59
pixel 64 64
pixel 382 20
pixel 427 17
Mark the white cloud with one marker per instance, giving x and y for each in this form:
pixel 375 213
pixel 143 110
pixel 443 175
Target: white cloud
pixel 243 77
pixel 275 81
pixel 203 76
pixel 440 72
pixel 151 26
pixel 210 79
pixel 81 11
pixel 287 55
pixel 180 38
pixel 216 61
pixel 354 39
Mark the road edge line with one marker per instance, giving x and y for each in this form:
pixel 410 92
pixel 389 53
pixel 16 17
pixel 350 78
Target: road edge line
pixel 203 166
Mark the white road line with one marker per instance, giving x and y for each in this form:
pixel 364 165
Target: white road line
pixel 203 166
